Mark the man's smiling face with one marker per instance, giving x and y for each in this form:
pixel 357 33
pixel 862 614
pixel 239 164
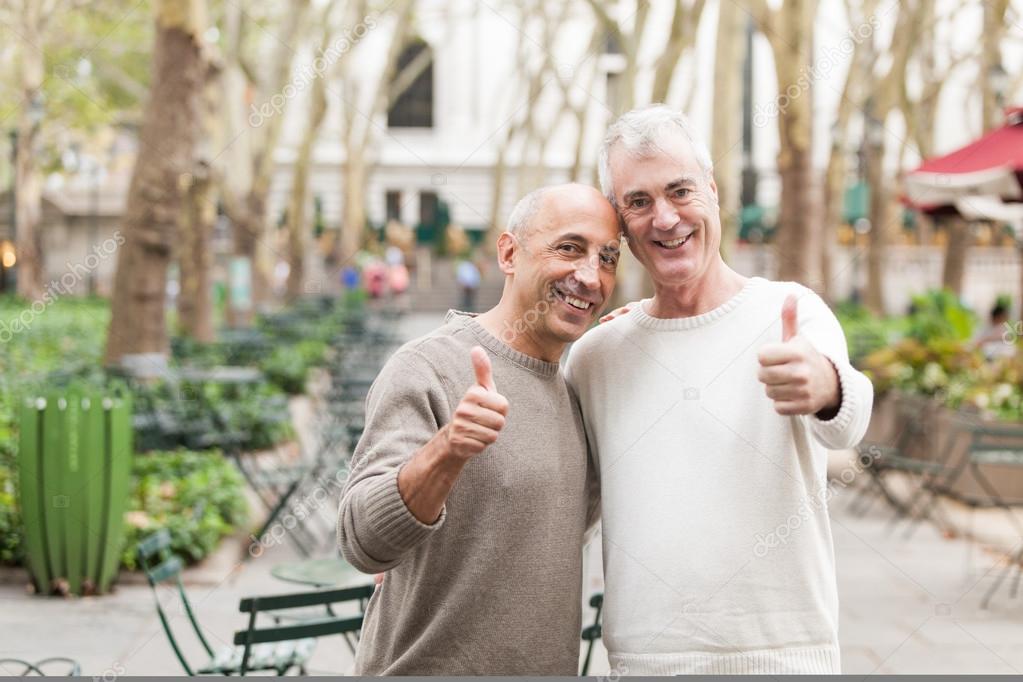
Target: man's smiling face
pixel 669 206
pixel 565 266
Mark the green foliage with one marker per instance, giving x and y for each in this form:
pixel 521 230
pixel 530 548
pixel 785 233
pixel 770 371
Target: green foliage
pixel 288 366
pixel 929 353
pixel 11 550
pixel 865 333
pixel 198 496
pixel 194 414
pixel 939 315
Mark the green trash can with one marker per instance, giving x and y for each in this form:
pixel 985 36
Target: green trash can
pixel 74 463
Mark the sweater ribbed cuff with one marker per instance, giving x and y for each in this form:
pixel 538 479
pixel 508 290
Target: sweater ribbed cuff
pixel 389 519
pixel 833 429
pixel 824 660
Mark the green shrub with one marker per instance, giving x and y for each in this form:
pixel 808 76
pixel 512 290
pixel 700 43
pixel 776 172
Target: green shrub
pixel 197 496
pixel 939 315
pixel 288 366
pixel 864 332
pixel 10 520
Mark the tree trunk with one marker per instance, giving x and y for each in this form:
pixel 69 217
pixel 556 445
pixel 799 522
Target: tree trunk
pixel 725 142
pixel 297 227
pixel 834 196
pixel 28 190
pixel 955 255
pixel 991 43
pixel 195 258
pixel 354 225
pixel 879 228
pixel 796 236
pixel 166 149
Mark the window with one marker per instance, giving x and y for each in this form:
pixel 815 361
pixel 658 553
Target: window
pixel 611 45
pixel 613 96
pixel 428 208
pixel 413 108
pixel 393 205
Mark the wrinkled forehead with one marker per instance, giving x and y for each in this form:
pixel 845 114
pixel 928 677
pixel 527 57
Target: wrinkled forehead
pixel 587 216
pixel 669 150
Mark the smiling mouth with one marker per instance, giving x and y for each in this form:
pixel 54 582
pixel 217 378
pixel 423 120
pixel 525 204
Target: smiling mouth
pixel 577 303
pixel 675 243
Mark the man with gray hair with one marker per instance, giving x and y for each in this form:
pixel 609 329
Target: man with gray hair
pixel 708 409
pixel 470 486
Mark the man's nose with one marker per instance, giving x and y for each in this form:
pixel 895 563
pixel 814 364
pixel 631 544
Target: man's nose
pixel 665 216
pixel 586 274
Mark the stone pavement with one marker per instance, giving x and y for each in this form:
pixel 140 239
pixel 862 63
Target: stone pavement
pixel 907 606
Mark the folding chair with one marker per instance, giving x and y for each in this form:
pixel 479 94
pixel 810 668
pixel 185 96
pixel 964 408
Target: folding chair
pixel 591 633
pixel 293 635
pixel 280 648
pixel 987 446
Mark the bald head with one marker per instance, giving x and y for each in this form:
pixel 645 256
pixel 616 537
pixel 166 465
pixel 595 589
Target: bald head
pixel 551 205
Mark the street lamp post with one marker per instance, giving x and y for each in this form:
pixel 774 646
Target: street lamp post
pixel 998 79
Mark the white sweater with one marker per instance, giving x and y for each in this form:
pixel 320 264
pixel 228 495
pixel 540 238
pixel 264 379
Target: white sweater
pixel 718 555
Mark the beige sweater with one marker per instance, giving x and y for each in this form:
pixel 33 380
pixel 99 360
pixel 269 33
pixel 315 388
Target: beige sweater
pixel 494 586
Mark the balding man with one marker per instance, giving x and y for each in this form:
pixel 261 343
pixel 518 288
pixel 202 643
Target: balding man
pixel 471 485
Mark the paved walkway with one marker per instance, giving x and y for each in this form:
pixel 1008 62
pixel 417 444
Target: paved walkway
pixel 906 606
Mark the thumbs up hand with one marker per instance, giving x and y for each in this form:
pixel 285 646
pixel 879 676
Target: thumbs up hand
pixel 796 377
pixel 480 415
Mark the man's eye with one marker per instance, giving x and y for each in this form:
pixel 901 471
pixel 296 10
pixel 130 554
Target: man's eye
pixel 638 203
pixel 608 259
pixel 568 248
pixel 682 193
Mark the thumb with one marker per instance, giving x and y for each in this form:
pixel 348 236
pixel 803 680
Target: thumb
pixel 481 365
pixel 789 323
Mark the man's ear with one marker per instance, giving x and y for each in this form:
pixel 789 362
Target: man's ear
pixel 714 189
pixel 506 248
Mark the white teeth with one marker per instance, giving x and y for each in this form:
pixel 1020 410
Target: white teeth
pixel 572 300
pixel 577 302
pixel 676 242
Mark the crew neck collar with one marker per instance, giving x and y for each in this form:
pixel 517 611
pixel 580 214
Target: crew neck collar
pixel 498 347
pixel 644 319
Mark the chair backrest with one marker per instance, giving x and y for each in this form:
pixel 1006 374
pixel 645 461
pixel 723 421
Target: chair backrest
pixel 997 443
pixel 161 567
pixel 317 627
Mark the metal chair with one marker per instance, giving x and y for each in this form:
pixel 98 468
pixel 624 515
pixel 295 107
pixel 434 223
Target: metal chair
pixel 591 633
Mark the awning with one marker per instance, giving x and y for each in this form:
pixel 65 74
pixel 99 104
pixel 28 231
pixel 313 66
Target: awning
pixel 989 167
pixel 992 208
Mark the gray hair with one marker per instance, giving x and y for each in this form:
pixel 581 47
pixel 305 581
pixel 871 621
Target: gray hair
pixel 525 212
pixel 639 132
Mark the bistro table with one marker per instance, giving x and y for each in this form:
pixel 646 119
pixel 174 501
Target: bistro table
pixel 323 572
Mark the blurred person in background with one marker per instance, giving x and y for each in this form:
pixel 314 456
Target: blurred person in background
pixel 997 340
